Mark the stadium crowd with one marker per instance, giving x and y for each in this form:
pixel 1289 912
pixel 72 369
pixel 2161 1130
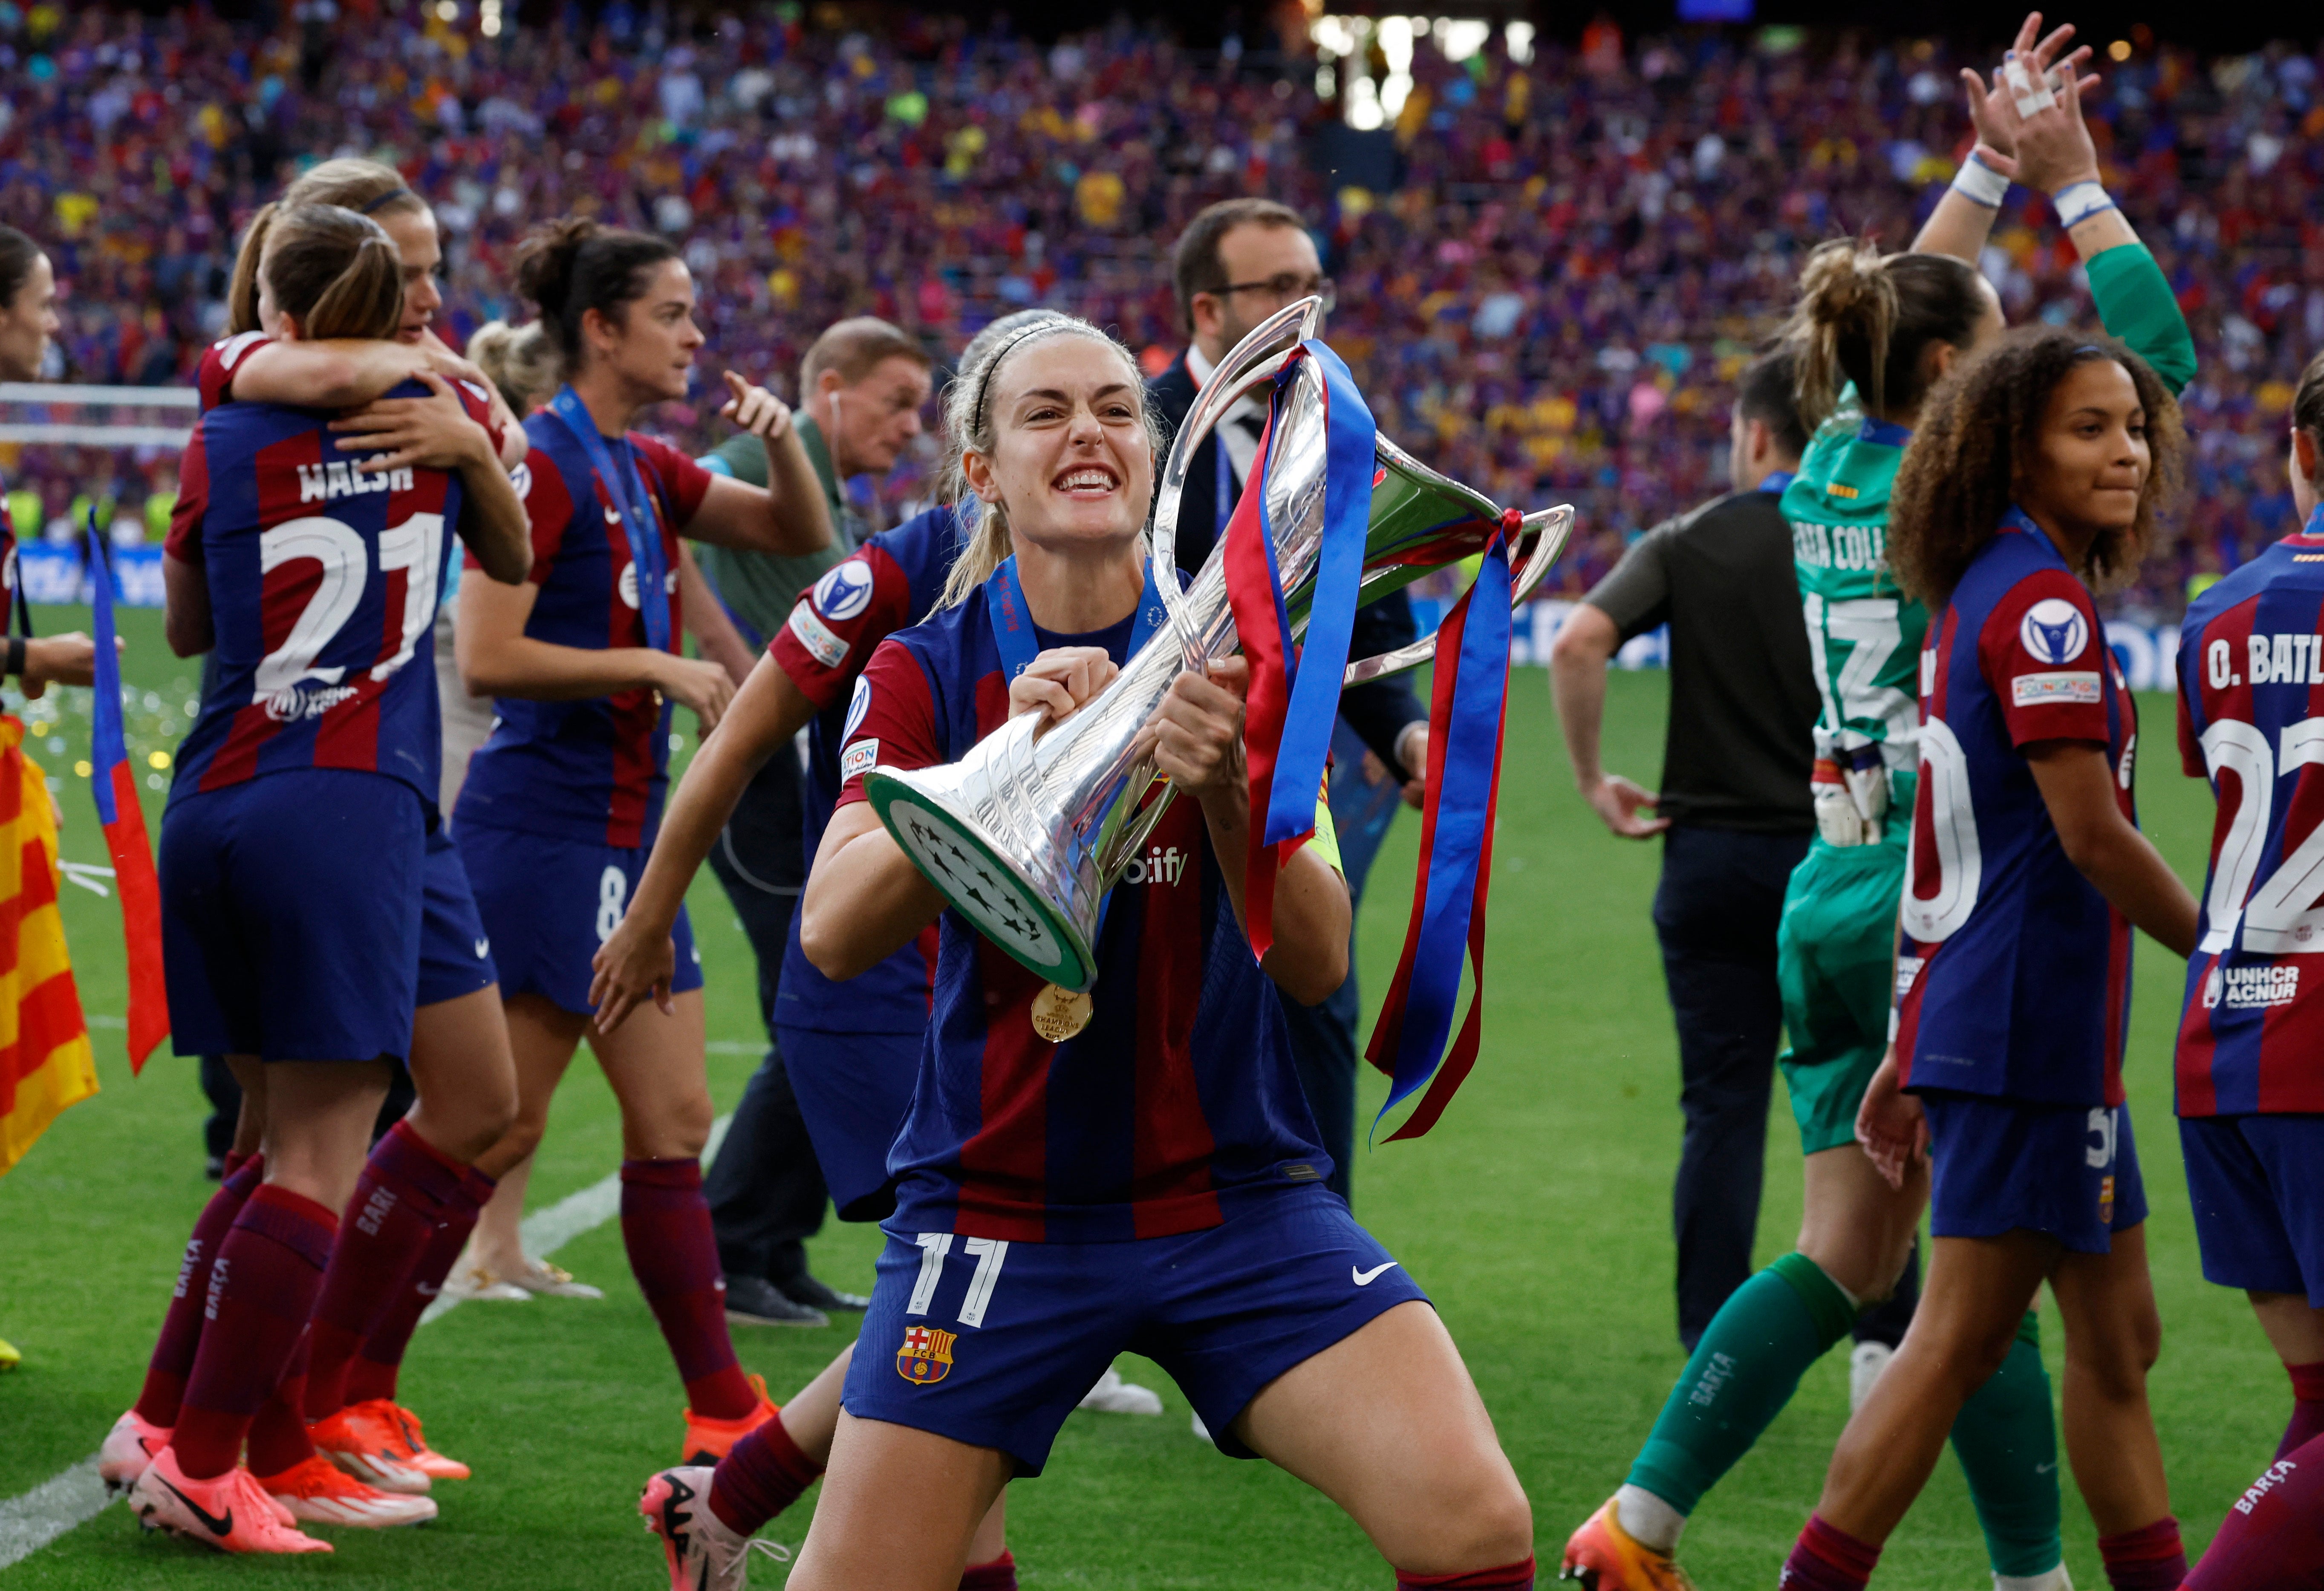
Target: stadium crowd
pixel 1551 302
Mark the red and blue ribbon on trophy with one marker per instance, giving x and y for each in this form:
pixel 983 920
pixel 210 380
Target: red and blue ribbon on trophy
pixel 1293 703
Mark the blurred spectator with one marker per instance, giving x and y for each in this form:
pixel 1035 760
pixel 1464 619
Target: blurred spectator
pixel 1552 302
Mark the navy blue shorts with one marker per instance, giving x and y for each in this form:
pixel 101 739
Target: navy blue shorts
pixel 456 955
pixel 992 1343
pixel 2257 1183
pixel 290 916
pixel 548 902
pixel 2067 1171
pixel 855 1090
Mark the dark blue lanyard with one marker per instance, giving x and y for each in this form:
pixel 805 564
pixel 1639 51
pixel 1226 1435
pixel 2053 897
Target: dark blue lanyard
pixel 1886 432
pixel 1012 621
pixel 1226 487
pixel 1775 480
pixel 638 521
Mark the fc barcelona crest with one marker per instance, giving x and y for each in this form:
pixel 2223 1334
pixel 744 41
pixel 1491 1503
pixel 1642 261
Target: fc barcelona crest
pixel 925 1356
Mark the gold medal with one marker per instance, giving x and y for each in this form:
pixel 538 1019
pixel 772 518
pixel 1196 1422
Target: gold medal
pixel 1058 1015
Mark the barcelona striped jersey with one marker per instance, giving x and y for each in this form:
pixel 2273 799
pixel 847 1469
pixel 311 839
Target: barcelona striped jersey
pixel 2251 720
pixel 1178 1100
pixel 2015 971
pixel 324 580
pixel 594 770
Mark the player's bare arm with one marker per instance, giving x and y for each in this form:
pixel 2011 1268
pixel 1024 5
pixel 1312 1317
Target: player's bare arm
pixel 2077 787
pixel 338 373
pixel 1195 736
pixel 715 635
pixel 865 899
pixel 506 424
pixel 637 960
pixel 497 658
pixel 788 515
pixel 186 616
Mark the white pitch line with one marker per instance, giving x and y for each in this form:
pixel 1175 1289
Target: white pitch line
pixel 75 1497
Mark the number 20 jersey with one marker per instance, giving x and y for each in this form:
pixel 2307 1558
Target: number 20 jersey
pixel 2018 970
pixel 323 582
pixel 2251 719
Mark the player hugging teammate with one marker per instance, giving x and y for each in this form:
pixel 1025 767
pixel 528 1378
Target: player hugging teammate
pixel 298 911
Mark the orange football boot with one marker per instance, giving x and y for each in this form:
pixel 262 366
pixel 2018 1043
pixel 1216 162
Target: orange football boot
pixel 708 1440
pixel 318 1491
pixel 370 1448
pixel 1603 1557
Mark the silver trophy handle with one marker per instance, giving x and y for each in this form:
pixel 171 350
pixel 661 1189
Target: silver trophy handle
pixel 1255 360
pixel 1552 527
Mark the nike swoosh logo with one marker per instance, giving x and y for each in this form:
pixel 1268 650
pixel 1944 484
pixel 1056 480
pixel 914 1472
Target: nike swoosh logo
pixel 484 948
pixel 220 1528
pixel 1366 1278
pixel 2045 1468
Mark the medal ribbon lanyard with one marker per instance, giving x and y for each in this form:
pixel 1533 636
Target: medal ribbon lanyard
pixel 620 482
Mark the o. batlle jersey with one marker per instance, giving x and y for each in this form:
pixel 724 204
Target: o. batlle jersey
pixel 594 770
pixel 888 584
pixel 2251 719
pixel 323 581
pixel 2014 970
pixel 1177 1099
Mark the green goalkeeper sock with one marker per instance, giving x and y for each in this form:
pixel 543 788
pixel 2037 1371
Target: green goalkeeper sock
pixel 1743 1372
pixel 2007 1440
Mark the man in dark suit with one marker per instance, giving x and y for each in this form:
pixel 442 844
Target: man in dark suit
pixel 1237 263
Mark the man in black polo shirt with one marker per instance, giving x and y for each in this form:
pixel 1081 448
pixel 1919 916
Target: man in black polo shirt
pixel 1734 808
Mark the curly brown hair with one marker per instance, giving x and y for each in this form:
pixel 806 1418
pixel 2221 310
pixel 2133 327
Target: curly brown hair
pixel 1966 462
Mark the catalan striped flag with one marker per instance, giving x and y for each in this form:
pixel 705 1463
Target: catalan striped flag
pixel 45 1062
pixel 115 782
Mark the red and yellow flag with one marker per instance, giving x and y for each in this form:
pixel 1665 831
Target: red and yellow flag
pixel 45 1062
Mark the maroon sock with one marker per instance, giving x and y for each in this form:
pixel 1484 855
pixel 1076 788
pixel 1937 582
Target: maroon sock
pixel 2307 1408
pixel 2272 1538
pixel 1509 1576
pixel 666 1227
pixel 763 1474
pixel 263 1287
pixel 1828 1559
pixel 181 1323
pixel 1000 1574
pixel 2147 1559
pixel 278 1432
pixel 377 1362
pixel 388 1223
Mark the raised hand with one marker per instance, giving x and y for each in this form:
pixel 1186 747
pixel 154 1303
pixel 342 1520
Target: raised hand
pixel 756 410
pixel 1993 107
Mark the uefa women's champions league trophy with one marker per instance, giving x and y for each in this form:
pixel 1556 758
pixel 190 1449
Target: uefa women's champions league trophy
pixel 1026 833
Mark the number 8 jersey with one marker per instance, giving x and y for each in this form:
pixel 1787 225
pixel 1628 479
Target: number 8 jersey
pixel 2251 719
pixel 323 581
pixel 2013 970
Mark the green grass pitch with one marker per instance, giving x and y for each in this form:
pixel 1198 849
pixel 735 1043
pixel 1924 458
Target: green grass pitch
pixel 1536 1215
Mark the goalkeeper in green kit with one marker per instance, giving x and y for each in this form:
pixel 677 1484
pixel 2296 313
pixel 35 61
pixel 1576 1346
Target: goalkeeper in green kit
pixel 1872 334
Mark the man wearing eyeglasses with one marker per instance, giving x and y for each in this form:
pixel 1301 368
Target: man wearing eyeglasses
pixel 1237 263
